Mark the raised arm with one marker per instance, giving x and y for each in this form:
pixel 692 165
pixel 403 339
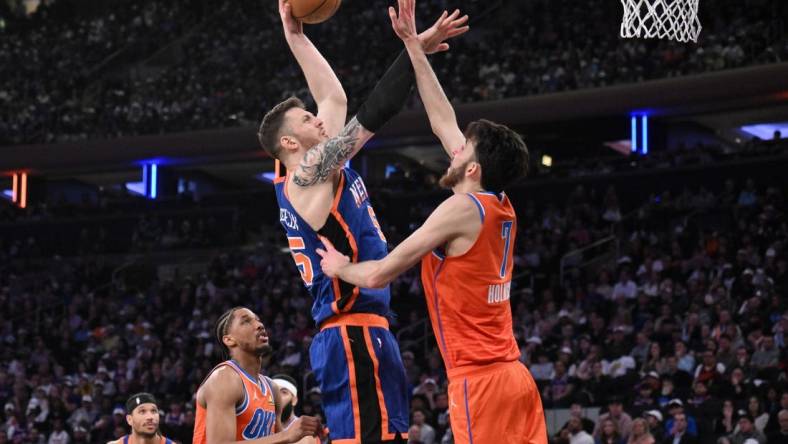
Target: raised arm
pixel 456 216
pixel 443 120
pixel 383 103
pixel 321 79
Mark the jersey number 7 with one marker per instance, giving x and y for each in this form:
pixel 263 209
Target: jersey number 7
pixel 506 234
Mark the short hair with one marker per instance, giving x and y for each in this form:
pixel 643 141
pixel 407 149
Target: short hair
pixel 500 151
pixel 222 325
pixel 271 126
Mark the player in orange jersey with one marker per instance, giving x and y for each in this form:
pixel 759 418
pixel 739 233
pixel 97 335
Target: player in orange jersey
pixel 465 247
pixel 236 403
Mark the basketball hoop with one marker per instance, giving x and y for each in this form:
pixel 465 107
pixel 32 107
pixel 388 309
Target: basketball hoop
pixel 663 19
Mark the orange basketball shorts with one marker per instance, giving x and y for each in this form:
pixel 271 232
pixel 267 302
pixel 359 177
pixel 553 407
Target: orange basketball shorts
pixel 495 404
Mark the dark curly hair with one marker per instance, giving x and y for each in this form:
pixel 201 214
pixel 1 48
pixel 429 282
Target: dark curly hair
pixel 500 151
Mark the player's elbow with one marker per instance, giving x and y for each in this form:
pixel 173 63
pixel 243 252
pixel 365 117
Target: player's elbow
pixel 338 98
pixel 375 282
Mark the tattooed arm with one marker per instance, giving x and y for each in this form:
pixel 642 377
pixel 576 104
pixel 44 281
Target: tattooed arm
pixel 322 161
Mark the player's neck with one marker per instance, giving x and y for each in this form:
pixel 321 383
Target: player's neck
pixel 465 187
pixel 137 439
pixel 249 363
pixel 291 163
pixel 292 160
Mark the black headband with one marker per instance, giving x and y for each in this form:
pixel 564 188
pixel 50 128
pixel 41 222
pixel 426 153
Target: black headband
pixel 140 398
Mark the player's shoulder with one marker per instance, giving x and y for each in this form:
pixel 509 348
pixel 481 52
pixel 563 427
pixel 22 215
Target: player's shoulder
pixel 117 441
pixel 222 373
pixel 223 380
pixel 460 204
pixel 349 172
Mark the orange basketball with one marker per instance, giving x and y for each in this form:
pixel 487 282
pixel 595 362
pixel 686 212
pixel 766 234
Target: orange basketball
pixel 314 11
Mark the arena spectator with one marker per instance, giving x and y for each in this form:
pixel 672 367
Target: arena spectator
pixel 747 431
pixel 420 431
pixel 620 419
pixel 678 433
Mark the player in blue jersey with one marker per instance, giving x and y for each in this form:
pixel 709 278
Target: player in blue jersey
pixel 355 358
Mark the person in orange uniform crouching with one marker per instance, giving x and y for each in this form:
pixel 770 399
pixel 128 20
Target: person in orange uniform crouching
pixel 465 248
pixel 235 402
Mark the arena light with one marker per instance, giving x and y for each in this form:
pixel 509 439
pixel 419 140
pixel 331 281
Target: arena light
pixel 547 161
pixel 149 187
pixel 136 187
pixel 267 177
pixel 14 187
pixel 23 190
pixel 623 147
pixel 638 132
pixel 765 131
pixel 154 181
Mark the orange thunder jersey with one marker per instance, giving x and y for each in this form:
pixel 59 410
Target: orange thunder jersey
pixel 468 295
pixel 255 417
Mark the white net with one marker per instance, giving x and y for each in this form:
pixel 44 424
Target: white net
pixel 664 19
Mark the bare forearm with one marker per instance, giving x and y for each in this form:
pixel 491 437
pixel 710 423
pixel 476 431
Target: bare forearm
pixel 439 110
pixel 363 274
pixel 321 79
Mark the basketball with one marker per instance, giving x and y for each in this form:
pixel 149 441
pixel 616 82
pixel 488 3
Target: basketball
pixel 314 11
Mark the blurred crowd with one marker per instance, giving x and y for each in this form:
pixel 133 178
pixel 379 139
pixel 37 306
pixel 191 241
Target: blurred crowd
pixel 679 336
pixel 49 60
pixel 231 64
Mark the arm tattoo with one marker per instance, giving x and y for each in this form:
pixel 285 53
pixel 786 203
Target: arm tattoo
pixel 322 160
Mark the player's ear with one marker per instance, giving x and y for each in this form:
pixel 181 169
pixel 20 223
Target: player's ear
pixel 229 341
pixel 473 169
pixel 289 143
pixel 128 420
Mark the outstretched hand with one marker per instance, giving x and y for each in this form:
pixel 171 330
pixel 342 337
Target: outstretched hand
pixel 403 21
pixel 290 24
pixel 433 39
pixel 333 260
pixel 446 27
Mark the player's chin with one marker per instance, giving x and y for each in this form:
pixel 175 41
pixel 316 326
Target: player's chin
pixel 264 349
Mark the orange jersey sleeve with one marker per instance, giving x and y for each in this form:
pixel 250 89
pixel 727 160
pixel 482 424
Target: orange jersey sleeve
pixel 468 295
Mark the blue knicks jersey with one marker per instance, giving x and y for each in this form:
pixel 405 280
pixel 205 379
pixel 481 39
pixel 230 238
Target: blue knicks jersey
pixel 354 230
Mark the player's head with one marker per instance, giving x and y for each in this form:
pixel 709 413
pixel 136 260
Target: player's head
pixel 290 129
pixel 493 155
pixel 239 330
pixel 288 394
pixel 142 414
